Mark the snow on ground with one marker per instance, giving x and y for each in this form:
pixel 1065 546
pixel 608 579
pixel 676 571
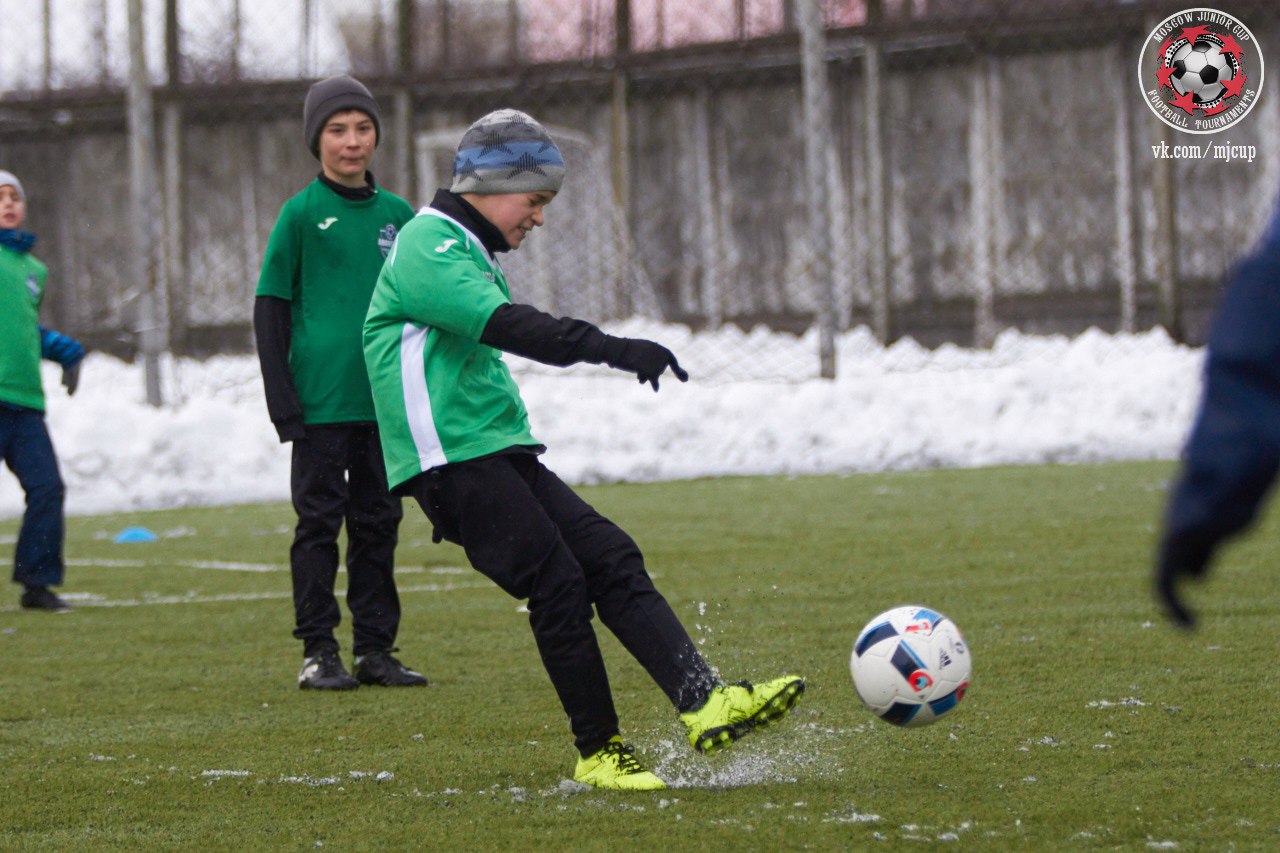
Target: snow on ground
pixel 753 406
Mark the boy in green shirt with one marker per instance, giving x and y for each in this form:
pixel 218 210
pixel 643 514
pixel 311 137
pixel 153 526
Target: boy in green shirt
pixel 24 438
pixel 456 436
pixel 321 263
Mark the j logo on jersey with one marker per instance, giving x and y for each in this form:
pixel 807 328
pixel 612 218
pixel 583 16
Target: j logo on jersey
pixel 386 237
pixel 33 287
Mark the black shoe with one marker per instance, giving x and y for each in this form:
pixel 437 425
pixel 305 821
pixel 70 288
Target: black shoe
pixel 381 668
pixel 43 598
pixel 325 672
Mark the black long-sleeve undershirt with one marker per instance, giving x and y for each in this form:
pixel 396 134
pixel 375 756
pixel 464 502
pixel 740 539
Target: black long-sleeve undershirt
pixel 525 331
pixel 273 332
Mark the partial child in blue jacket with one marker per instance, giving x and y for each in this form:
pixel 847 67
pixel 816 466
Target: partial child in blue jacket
pixel 1233 453
pixel 24 439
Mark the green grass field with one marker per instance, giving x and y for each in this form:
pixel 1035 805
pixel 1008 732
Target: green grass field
pixel 164 712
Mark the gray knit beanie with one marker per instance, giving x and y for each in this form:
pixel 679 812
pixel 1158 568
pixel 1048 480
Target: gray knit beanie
pixel 334 95
pixel 10 179
pixel 507 151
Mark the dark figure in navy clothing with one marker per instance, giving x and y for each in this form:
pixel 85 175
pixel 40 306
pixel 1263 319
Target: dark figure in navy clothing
pixel 1233 453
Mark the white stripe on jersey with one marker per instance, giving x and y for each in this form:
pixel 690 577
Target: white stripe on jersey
pixel 417 402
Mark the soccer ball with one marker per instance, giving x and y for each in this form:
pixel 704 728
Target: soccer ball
pixel 1201 69
pixel 910 666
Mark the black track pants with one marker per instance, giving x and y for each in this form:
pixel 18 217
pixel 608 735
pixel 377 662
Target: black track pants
pixel 339 476
pixel 528 532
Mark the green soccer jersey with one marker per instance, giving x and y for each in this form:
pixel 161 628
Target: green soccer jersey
pixel 324 256
pixel 441 395
pixel 21 292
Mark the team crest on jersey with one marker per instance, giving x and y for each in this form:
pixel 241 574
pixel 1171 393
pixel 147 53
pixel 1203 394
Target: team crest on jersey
pixel 386 237
pixel 33 287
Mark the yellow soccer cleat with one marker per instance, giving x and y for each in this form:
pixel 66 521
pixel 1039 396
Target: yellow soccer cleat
pixel 614 766
pixel 733 710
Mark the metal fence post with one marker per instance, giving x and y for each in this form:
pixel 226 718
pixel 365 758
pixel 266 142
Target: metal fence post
pixel 878 204
pixel 817 137
pixel 620 141
pixel 982 204
pixel 142 193
pixel 1125 204
pixel 1164 239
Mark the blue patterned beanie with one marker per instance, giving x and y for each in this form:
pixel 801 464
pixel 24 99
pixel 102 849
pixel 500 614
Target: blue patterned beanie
pixel 507 151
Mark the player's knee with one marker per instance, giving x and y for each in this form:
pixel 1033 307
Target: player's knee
pixel 46 493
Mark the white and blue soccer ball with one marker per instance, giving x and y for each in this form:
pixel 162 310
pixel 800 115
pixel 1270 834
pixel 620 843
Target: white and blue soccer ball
pixel 911 665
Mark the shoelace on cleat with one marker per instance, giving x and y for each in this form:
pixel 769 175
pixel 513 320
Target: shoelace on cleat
pixel 627 762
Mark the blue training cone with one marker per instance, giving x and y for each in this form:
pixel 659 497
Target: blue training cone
pixel 135 534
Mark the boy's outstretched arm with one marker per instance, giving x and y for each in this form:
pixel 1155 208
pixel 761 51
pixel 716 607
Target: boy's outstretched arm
pixel 273 331
pixel 525 331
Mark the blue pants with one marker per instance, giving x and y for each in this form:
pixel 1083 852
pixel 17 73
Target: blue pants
pixel 27 450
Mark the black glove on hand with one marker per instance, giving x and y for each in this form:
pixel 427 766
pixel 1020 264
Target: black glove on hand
pixel 644 358
pixel 1179 560
pixel 71 377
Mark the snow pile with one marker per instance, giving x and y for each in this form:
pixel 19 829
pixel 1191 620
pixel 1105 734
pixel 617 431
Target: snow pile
pixel 1027 400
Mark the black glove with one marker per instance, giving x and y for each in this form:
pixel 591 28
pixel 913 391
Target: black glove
pixel 1180 559
pixel 71 377
pixel 644 358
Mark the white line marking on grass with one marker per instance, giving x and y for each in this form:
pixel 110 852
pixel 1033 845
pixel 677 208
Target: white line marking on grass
pixel 91 600
pixel 225 566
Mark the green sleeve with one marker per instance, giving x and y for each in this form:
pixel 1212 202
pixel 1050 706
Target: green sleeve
pixel 446 290
pixel 280 265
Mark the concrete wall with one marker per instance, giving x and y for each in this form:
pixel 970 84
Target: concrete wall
pixel 712 225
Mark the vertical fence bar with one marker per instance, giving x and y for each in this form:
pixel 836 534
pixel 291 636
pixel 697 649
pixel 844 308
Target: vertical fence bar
pixel 619 146
pixel 307 57
pixel 173 211
pixel 405 52
pixel 878 205
pixel 711 296
pixel 142 190
pixel 46 44
pixel 1125 204
pixel 173 262
pixel 402 134
pixel 816 129
pixel 1164 246
pixel 981 206
pixel 237 24
pixel 1164 239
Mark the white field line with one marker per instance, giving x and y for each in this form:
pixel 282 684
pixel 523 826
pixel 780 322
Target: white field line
pixel 218 565
pixel 91 600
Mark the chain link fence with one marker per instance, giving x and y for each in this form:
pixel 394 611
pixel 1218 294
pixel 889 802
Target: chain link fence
pixel 934 169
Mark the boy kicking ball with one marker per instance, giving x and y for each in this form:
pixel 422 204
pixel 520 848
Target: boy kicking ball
pixel 455 435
